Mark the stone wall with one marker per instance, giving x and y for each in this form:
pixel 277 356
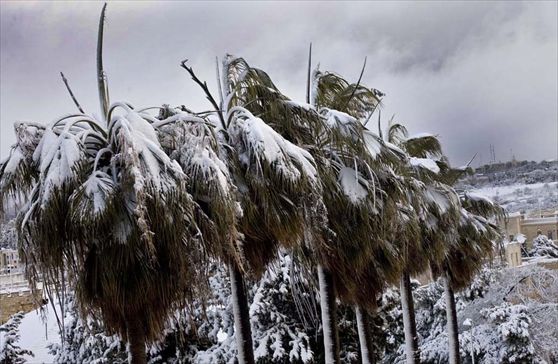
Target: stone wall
pixel 14 302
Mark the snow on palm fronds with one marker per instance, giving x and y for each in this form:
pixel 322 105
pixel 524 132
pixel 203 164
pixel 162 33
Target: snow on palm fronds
pixel 192 141
pixel 111 208
pixel 480 205
pixel 259 146
pixel 423 146
pixel 278 183
pixel 360 190
pixel 270 139
pixel 334 92
pixel 17 171
pixel 474 245
pixel 254 90
pixel 474 235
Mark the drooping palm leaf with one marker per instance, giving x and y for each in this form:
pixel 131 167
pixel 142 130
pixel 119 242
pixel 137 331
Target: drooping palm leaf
pixel 111 209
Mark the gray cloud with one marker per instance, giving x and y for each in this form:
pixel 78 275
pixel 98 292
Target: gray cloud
pixel 474 73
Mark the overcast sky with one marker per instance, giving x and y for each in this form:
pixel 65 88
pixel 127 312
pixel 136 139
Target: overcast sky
pixel 473 73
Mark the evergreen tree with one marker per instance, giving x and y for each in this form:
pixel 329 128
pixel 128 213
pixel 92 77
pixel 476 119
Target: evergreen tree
pixel 10 351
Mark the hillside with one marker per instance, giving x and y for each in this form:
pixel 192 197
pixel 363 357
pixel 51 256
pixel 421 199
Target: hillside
pixel 517 186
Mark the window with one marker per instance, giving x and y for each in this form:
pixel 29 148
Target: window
pixel 550 234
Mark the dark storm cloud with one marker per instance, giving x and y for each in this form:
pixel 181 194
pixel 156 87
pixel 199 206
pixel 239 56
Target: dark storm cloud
pixel 474 73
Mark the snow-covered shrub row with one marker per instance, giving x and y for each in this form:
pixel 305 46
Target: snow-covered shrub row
pixel 509 325
pixel 500 307
pixel 10 351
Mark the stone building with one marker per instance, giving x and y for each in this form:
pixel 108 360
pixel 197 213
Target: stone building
pixel 544 222
pixel 9 259
pixel 513 254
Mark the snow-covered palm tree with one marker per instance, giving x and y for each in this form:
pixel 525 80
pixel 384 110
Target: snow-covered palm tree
pixel 456 235
pixel 347 158
pixel 474 243
pixel 436 207
pixel 242 168
pixel 109 213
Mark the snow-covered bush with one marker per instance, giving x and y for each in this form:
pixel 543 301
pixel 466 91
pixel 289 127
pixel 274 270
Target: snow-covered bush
pixel 503 338
pixel 10 351
pixel 279 334
pixel 8 235
pixel 543 247
pixel 203 332
pixel 85 341
pixel 500 332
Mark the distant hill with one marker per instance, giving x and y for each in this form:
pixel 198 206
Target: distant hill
pixel 513 172
pixel 517 185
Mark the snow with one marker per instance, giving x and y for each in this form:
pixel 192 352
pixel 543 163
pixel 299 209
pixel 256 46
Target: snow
pixel 349 180
pixel 420 135
pixel 373 143
pixel 335 118
pixel 36 335
pixel 195 151
pixel 395 148
pixel 425 163
pixel 15 158
pixel 262 141
pixel 437 198
pixel 510 189
pixel 57 156
pixel 521 197
pixel 475 196
pixel 98 187
pixel 301 105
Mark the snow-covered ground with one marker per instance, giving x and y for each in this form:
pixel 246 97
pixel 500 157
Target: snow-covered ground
pixel 526 197
pixel 36 334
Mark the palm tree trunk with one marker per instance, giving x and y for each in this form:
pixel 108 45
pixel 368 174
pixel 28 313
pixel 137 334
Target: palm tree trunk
pixel 364 336
pixel 451 313
pixel 136 341
pixel 243 331
pixel 411 341
pixel 329 316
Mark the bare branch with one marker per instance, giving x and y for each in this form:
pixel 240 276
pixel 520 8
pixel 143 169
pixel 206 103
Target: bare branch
pixel 205 89
pixel 472 159
pixel 71 93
